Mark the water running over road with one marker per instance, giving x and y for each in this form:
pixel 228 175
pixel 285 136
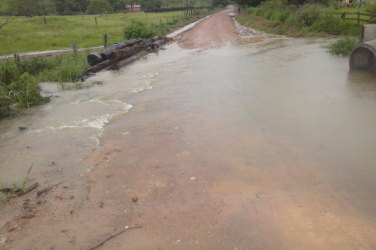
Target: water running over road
pixel 262 145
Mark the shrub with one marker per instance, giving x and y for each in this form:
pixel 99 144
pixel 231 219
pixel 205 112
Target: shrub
pixel 8 72
pixel 66 68
pixel 371 8
pixel 136 29
pixel 19 87
pixel 19 95
pixel 307 15
pixel 329 23
pixel 99 7
pixel 343 46
pixel 251 10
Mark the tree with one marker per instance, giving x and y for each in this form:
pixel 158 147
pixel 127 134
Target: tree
pixel 151 5
pixel 220 2
pixel 69 7
pixel 46 7
pixel 249 2
pixel 23 7
pixel 98 7
pixel 118 5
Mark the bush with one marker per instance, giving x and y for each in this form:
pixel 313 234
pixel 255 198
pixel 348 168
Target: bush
pixel 19 95
pixel 136 29
pixel 99 7
pixel 307 19
pixel 307 15
pixel 343 46
pixel 19 87
pixel 331 24
pixel 371 8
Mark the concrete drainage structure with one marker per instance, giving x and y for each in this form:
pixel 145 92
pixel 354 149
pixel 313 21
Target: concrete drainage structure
pixel 364 55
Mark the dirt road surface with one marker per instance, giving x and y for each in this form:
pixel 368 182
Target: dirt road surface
pixel 211 33
pixel 211 144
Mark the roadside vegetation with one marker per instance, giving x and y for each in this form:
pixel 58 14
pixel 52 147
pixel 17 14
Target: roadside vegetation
pixel 343 46
pixel 19 79
pixel 312 18
pixel 32 34
pixel 9 191
pixel 306 20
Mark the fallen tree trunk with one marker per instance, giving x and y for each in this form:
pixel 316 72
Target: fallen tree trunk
pixel 122 54
pixel 128 60
pixel 95 58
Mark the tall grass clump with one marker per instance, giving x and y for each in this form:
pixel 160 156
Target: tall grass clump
pixel 18 90
pixel 137 29
pixel 307 15
pixel 343 46
pixel 65 68
pixel 19 80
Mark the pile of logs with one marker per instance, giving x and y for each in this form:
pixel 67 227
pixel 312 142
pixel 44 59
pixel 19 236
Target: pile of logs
pixel 121 54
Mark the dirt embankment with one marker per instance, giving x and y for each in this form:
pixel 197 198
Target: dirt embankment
pixel 212 32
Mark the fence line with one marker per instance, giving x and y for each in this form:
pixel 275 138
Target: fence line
pixel 359 16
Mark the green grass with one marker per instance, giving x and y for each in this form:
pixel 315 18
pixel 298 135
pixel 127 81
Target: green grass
pixel 19 88
pixel 352 10
pixel 31 34
pixel 353 13
pixel 10 191
pixel 343 46
pixel 307 20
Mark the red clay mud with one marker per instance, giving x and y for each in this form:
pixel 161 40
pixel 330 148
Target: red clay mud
pixel 212 32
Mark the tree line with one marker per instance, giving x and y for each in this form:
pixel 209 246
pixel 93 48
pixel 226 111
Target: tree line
pixel 71 7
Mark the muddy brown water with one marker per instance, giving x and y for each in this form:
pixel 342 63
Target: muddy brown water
pixel 267 145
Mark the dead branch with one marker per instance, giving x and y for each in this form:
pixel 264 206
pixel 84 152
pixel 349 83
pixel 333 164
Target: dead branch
pixel 19 191
pixel 113 236
pixel 47 189
pixel 28 189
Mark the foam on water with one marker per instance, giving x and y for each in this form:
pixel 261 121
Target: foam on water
pixel 94 122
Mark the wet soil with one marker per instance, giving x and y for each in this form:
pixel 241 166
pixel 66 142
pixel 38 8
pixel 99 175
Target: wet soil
pixel 264 144
pixel 211 33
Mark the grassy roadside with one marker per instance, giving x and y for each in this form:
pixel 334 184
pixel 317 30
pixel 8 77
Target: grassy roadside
pixel 24 34
pixel 19 80
pixel 308 20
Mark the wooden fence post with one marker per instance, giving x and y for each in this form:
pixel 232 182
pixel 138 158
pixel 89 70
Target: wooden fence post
pixel 74 47
pixel 45 20
pixel 17 58
pixel 105 40
pixel 96 21
pixel 358 17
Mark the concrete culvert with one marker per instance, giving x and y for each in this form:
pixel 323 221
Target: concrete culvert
pixel 364 56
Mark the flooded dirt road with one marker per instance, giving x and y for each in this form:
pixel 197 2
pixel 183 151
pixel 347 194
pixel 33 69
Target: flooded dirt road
pixel 267 143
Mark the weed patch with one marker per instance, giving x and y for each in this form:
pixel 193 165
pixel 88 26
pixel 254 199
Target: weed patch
pixel 343 46
pixel 19 80
pixel 307 20
pixel 16 189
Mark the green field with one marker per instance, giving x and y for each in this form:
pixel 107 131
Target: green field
pixel 31 34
